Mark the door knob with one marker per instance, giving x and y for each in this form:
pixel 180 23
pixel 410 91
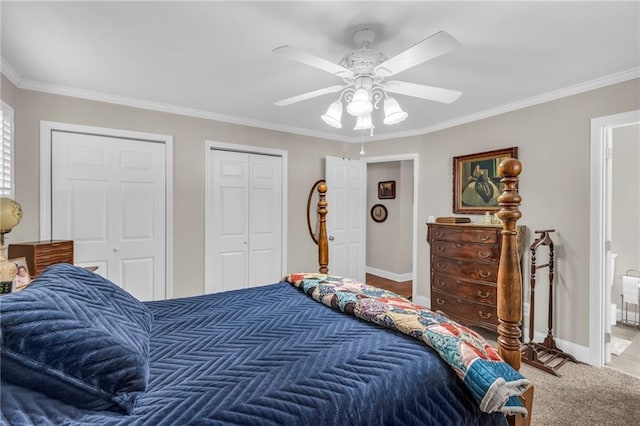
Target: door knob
pixel 331 238
pixel 116 249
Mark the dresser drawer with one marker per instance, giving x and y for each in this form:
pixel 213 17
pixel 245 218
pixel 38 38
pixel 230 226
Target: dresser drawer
pixel 464 311
pixel 465 234
pixel 465 269
pixel 470 251
pixel 476 292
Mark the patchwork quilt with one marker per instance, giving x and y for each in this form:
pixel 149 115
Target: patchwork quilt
pixel 494 384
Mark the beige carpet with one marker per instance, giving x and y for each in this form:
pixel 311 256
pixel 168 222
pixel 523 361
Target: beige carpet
pixel 584 395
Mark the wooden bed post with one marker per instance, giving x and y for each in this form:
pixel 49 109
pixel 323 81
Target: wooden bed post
pixel 510 280
pixel 323 242
pixel 509 275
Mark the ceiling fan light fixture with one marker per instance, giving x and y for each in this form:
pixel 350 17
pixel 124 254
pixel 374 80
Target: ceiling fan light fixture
pixel 360 103
pixel 393 114
pixel 333 116
pixel 364 122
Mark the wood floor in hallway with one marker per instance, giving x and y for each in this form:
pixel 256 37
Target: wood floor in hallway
pixel 403 288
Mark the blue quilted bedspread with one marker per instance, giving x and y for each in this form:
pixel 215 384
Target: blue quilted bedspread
pixel 271 355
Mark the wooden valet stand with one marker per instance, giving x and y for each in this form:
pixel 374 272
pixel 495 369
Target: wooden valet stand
pixel 546 355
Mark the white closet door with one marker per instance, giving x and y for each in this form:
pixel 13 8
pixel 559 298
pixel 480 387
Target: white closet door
pixel 108 195
pixel 346 225
pixel 230 198
pixel 265 228
pixel 245 241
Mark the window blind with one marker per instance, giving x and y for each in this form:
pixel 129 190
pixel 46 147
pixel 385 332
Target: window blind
pixel 6 154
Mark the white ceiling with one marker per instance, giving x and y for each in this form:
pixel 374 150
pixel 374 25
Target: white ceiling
pixel 215 60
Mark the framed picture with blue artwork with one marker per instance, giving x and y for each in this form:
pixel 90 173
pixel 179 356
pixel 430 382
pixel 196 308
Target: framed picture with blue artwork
pixel 476 184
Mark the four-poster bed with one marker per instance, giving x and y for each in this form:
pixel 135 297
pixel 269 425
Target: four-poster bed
pixel 76 349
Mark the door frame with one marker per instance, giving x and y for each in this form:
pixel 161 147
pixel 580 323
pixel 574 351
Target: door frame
pixel 415 157
pixel 46 135
pixel 208 210
pixel 601 135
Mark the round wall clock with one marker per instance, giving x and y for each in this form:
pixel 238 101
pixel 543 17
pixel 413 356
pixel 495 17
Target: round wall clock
pixel 379 213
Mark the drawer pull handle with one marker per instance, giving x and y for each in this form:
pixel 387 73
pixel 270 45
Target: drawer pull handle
pixel 440 249
pixel 439 234
pixel 484 237
pixel 440 283
pixel 483 295
pixel 485 316
pixel 482 255
pixel 484 274
pixel 440 301
pixel 458 245
pixel 441 265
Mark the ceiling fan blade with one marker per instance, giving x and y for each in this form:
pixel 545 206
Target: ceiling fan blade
pixel 313 60
pixel 429 48
pixel 429 93
pixel 309 95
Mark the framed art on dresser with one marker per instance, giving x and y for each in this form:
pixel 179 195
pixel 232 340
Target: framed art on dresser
pixel 476 184
pixel 23 278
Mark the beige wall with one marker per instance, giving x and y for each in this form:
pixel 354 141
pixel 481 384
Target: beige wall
pixel 306 165
pixel 625 222
pixel 7 91
pixel 553 141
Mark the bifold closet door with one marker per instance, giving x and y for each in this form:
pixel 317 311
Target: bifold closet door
pixel 246 237
pixel 108 196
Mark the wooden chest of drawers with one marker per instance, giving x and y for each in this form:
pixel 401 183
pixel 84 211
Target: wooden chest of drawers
pixel 464 271
pixel 40 254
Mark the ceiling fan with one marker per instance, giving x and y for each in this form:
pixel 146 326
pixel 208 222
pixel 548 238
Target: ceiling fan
pixel 365 72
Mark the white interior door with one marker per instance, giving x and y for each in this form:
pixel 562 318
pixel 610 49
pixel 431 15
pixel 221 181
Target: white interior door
pixel 346 198
pixel 230 197
pixel 265 224
pixel 608 237
pixel 108 195
pixel 245 241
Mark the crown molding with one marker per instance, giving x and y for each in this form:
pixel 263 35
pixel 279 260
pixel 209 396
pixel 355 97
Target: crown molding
pixel 168 108
pixel 539 99
pixel 597 83
pixel 10 72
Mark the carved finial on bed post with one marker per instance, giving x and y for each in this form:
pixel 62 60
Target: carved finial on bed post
pixel 323 243
pixel 509 275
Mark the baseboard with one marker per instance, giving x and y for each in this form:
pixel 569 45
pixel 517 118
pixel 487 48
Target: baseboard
pixel 422 301
pixel 389 275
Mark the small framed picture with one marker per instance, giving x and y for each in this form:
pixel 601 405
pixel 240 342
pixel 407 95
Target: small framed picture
pixel 23 278
pixel 387 190
pixel 379 213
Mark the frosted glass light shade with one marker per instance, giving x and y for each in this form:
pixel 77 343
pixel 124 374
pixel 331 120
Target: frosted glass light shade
pixel 333 116
pixel 360 104
pixel 364 122
pixel 393 114
pixel 10 214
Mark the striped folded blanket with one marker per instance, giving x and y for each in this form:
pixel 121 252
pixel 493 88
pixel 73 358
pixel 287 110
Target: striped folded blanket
pixel 494 384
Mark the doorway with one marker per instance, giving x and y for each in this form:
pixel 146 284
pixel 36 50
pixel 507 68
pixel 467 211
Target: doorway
pixel 625 244
pixel 601 216
pixel 403 208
